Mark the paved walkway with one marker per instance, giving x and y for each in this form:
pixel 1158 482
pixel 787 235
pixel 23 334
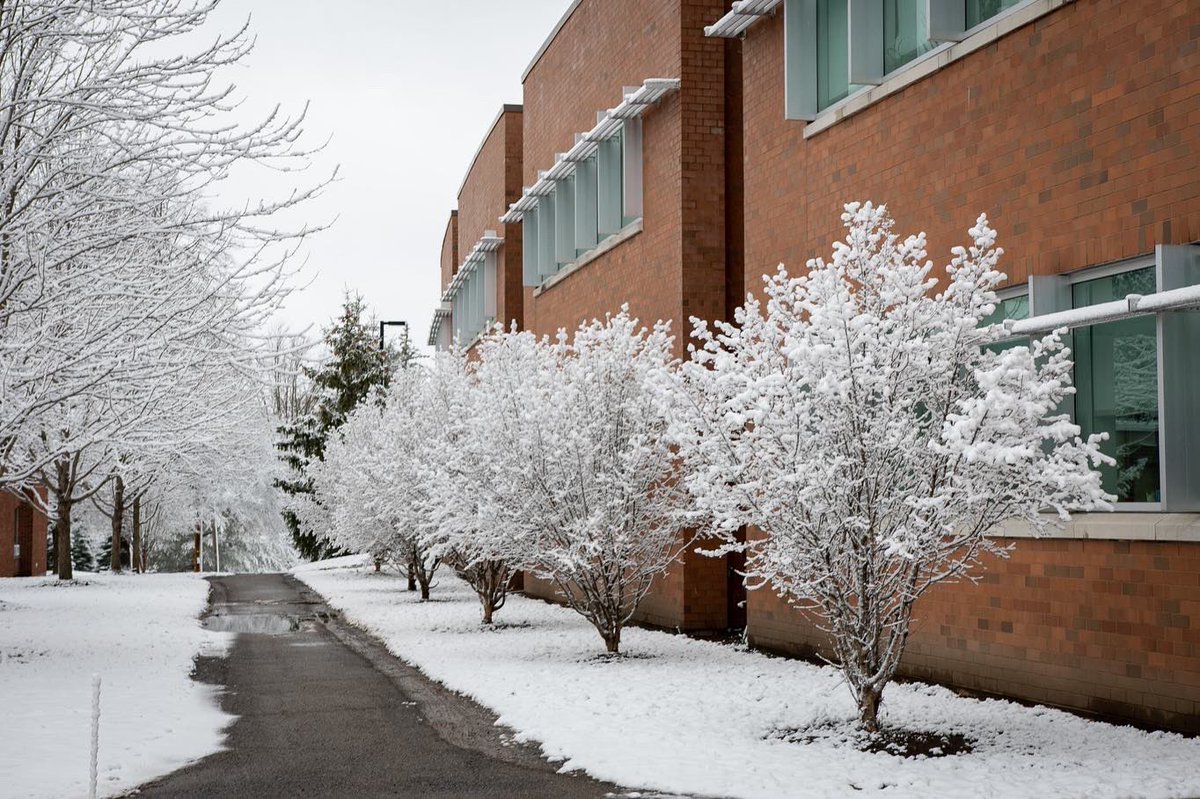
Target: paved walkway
pixel 323 710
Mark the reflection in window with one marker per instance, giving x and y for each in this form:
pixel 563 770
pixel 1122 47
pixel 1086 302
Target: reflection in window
pixel 905 32
pixel 833 51
pixel 1116 375
pixel 1011 308
pixel 980 10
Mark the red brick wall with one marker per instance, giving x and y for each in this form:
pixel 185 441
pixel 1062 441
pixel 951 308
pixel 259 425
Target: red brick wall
pixel 449 259
pixel 493 182
pixel 511 301
pixel 690 596
pixel 1076 134
pixel 1108 627
pixel 8 566
pixel 735 199
pixel 605 46
pixel 9 504
pixel 676 267
pixel 482 198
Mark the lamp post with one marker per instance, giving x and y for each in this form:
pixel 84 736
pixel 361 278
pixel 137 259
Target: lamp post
pixel 382 325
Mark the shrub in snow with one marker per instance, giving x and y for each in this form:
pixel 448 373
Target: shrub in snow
pixel 582 476
pixel 372 490
pixel 468 536
pixel 861 424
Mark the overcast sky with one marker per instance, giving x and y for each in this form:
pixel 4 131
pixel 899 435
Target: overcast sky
pixel 406 90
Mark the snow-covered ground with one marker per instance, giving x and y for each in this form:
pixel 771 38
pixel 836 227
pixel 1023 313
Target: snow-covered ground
pixel 139 633
pixel 700 718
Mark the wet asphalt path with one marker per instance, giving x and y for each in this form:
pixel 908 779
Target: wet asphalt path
pixel 323 711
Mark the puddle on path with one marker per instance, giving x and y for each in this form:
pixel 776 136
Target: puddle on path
pixel 253 623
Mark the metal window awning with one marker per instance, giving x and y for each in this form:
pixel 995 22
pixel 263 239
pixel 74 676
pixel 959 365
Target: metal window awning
pixel 1180 299
pixel 743 15
pixel 440 315
pixel 490 242
pixel 635 101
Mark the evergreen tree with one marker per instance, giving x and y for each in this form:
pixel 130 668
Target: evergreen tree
pixel 104 557
pixel 354 369
pixel 81 553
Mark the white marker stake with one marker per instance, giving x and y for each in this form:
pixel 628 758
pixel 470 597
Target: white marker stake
pixel 95 733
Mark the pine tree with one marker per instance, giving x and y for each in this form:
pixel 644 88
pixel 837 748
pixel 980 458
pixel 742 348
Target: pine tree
pixel 81 553
pixel 103 558
pixel 355 368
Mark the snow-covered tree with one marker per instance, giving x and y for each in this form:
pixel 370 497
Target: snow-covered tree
pixel 466 534
pixel 584 479
pixel 114 132
pixel 124 286
pixel 371 491
pixel 859 422
pixel 292 396
pixel 354 368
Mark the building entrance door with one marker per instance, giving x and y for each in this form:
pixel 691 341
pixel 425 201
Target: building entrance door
pixel 735 586
pixel 24 539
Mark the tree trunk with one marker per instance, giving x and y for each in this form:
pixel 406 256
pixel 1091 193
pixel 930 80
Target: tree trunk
pixel 868 708
pixel 135 552
pixel 118 517
pixel 424 590
pixel 62 522
pixel 216 548
pixel 612 640
pixel 62 541
pixel 196 548
pixel 412 577
pixel 487 611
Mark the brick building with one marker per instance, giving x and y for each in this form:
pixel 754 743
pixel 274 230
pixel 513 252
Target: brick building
pixel 625 171
pixel 626 156
pixel 22 537
pixel 672 153
pixel 481 255
pixel 1075 127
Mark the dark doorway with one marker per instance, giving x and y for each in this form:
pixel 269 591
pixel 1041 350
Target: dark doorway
pixel 735 586
pixel 23 527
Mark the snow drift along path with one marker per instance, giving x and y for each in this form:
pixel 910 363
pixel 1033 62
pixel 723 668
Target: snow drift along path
pixel 698 718
pixel 140 634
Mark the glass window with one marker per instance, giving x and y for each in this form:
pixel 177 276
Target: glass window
pixel 1011 308
pixel 609 188
pixel 981 10
pixel 833 51
pixel 1116 376
pixel 905 32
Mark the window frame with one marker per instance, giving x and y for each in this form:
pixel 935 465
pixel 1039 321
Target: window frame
pixel 1104 272
pixel 1176 266
pixel 599 201
pixel 946 26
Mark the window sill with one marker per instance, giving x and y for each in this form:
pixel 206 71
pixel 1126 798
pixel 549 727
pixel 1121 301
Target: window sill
pixel 931 62
pixel 1119 525
pixel 615 240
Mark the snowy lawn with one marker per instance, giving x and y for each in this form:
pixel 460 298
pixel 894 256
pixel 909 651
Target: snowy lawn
pixel 139 633
pixel 701 718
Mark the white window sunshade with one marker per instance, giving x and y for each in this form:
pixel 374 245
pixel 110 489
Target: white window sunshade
pixel 440 315
pixel 633 105
pixel 489 243
pixel 743 15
